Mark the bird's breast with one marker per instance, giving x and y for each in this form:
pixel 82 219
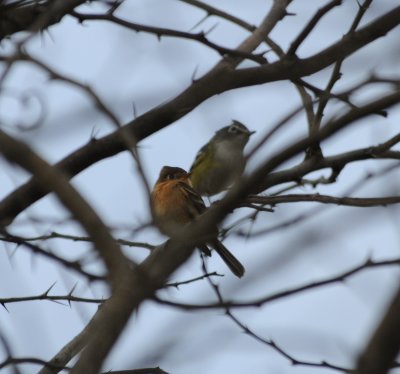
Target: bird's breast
pixel 168 207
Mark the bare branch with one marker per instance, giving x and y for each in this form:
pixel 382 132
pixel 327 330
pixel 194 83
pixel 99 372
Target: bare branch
pixel 44 296
pixel 76 238
pixel 335 76
pixel 311 25
pixel 29 360
pixel 159 32
pixel 155 370
pixel 70 350
pixel 32 15
pixel 363 202
pixel 201 277
pixel 368 264
pixel 74 265
pixel 335 162
pixel 268 342
pixel 16 151
pixel 70 298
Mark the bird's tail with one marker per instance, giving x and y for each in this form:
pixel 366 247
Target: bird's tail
pixel 233 263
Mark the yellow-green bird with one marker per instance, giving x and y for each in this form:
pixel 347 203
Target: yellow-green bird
pixel 220 162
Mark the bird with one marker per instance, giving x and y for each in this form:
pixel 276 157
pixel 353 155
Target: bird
pixel 174 203
pixel 220 162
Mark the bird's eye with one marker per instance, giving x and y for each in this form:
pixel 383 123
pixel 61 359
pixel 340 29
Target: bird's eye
pixel 170 176
pixel 233 129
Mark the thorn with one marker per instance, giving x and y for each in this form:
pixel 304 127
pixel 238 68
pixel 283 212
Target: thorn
pixel 246 330
pixel 93 134
pixel 383 113
pixel 134 110
pixel 198 23
pixel 72 289
pixel 4 306
pixel 204 34
pixel 70 294
pixel 57 302
pixel 113 6
pixel 266 52
pixel 272 343
pixel 47 292
pixel 11 255
pixel 193 78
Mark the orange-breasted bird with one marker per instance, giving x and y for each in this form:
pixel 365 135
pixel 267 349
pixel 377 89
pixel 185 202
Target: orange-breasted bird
pixel 174 203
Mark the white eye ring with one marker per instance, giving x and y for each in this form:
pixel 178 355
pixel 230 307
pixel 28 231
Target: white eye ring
pixel 233 129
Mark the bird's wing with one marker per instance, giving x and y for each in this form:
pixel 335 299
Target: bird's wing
pixel 201 154
pixel 194 202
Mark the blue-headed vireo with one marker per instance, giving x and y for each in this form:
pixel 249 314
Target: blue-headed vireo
pixel 220 162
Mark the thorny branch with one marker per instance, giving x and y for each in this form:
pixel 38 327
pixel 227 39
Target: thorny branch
pixel 162 32
pixel 152 275
pixel 324 199
pixel 73 265
pixel 216 81
pixel 74 238
pixel 368 264
pixel 70 298
pixel 269 342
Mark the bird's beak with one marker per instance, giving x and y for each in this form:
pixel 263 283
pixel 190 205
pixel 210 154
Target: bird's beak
pixel 251 132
